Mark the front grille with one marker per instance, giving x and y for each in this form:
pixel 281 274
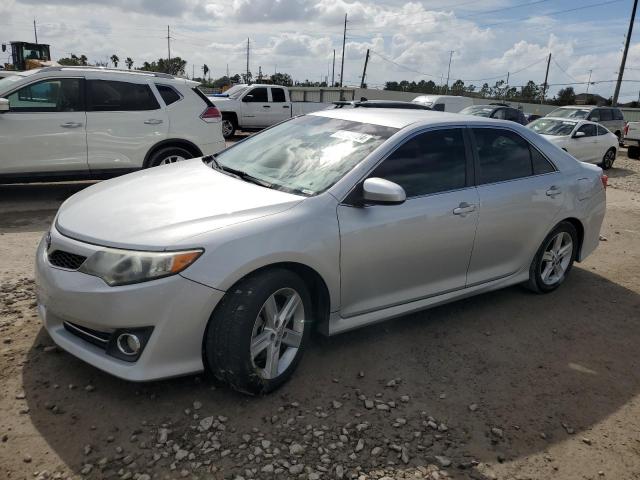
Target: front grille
pixel 100 339
pixel 62 259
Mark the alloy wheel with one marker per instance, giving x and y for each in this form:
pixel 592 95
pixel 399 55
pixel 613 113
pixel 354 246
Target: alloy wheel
pixel 556 258
pixel 227 128
pixel 609 157
pixel 277 333
pixel 171 159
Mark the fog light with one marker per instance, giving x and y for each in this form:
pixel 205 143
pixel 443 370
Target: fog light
pixel 128 344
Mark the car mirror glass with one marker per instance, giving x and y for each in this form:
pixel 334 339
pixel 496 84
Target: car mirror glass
pixel 247 98
pixel 579 135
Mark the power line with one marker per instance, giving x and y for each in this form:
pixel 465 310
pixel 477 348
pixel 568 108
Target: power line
pixel 564 71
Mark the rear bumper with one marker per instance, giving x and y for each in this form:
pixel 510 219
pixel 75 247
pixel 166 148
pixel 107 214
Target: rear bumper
pixel 178 309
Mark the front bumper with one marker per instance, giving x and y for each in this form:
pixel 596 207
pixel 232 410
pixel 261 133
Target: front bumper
pixel 178 309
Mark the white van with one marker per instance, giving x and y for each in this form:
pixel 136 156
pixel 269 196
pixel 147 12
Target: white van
pixel 444 103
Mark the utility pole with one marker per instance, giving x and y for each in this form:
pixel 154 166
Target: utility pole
pixel 506 85
pixel 624 55
pixel 35 30
pixel 449 70
pixel 193 71
pixel 364 71
pixel 227 70
pixel 248 61
pixel 333 69
pixel 344 39
pixel 168 44
pixel 546 77
pixel 589 81
pixel 259 73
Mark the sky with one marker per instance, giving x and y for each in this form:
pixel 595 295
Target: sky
pixel 408 40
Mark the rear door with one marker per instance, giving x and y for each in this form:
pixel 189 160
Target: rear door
pixel 520 193
pixel 44 130
pixel 256 109
pixel 280 108
pixel 124 120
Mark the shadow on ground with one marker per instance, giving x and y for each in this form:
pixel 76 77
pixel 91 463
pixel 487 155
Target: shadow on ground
pixel 533 364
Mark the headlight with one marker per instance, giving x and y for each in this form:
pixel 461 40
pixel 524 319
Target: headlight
pixel 121 267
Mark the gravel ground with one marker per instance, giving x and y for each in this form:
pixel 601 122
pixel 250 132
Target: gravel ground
pixel 505 385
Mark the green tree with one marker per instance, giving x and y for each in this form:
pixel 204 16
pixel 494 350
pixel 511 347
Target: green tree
pixel 566 96
pixel 485 91
pixel 282 79
pixel 175 66
pixel 530 92
pixel 73 60
pixel 115 60
pixel 83 60
pixel 458 87
pixel 129 63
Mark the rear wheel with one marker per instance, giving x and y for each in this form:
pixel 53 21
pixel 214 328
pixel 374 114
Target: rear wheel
pixel 554 259
pixel 228 126
pixel 168 155
pixel 633 152
pixel 608 159
pixel 257 334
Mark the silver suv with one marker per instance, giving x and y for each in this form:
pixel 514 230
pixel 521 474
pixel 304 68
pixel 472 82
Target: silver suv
pixel 609 117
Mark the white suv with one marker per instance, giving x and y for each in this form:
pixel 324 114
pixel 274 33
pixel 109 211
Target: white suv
pixel 70 122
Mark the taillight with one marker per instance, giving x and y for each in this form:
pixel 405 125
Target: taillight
pixel 605 180
pixel 626 128
pixel 211 114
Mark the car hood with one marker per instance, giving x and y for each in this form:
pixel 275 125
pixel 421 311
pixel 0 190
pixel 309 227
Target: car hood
pixel 155 208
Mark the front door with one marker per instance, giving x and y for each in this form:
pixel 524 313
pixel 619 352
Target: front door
pixel 585 148
pixel 520 195
pixel 44 130
pixel 280 108
pixel 396 254
pixel 256 109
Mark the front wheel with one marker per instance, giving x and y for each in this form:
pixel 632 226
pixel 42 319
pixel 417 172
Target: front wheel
pixel 257 334
pixel 228 127
pixel 554 259
pixel 608 159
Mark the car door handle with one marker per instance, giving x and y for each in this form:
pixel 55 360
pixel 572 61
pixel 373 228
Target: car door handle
pixel 464 208
pixel 71 125
pixel 153 121
pixel 553 191
pixel 285 106
pixel 266 106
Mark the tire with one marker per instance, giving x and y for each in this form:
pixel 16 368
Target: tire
pixel 540 283
pixel 228 126
pixel 633 152
pixel 168 155
pixel 608 159
pixel 620 140
pixel 241 320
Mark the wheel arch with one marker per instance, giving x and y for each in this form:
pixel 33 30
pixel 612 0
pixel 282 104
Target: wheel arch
pixel 172 142
pixel 577 224
pixel 232 115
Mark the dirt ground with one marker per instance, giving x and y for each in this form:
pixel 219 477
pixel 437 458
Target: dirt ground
pixel 507 385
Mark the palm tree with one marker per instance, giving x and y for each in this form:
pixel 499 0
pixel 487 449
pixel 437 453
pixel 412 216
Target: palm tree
pixel 129 62
pixel 115 60
pixel 83 59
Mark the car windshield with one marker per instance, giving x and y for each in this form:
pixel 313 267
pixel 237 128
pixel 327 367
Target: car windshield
pixel 236 91
pixel 477 110
pixel 580 113
pixel 550 126
pixel 305 155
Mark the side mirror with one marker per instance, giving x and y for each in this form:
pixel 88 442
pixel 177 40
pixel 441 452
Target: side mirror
pixel 594 119
pixel 379 191
pixel 4 105
pixel 579 135
pixel 247 98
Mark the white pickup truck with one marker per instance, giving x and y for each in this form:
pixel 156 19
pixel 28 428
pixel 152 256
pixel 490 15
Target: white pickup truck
pixel 632 139
pixel 251 107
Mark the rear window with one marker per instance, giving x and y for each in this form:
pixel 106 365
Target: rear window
pixel 278 95
pixel 109 96
pixel 605 115
pixel 617 114
pixel 168 94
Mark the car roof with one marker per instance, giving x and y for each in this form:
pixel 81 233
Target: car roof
pixel 400 118
pixel 92 71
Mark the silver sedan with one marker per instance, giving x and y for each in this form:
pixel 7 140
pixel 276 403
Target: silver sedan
pixel 327 222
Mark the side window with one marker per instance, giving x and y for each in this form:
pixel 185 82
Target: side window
pixel 438 107
pixel 588 129
pixel 502 155
pixel 512 114
pixel 540 163
pixel 606 115
pixel 111 96
pixel 500 114
pixel 55 95
pixel 257 95
pixel 594 116
pixel 168 94
pixel 602 130
pixel 278 95
pixel 428 163
pixel 617 114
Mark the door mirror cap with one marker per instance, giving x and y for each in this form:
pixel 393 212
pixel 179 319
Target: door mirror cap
pixel 579 135
pixel 4 105
pixel 379 191
pixel 247 98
